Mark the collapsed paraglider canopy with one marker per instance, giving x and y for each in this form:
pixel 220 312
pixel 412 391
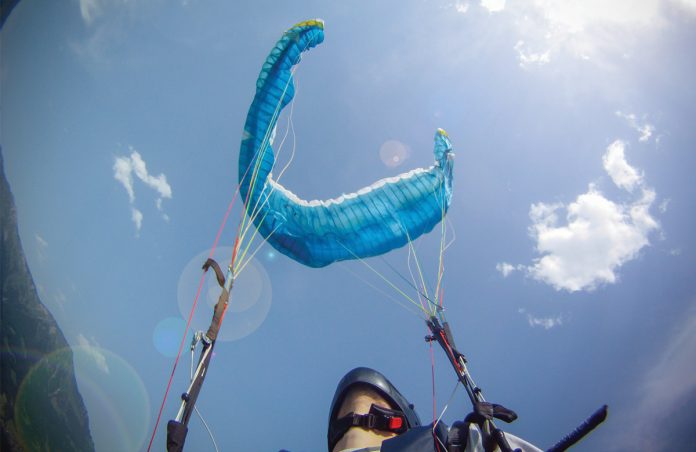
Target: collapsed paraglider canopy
pixel 372 221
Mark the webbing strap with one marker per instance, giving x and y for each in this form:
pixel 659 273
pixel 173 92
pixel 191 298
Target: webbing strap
pixel 378 418
pixel 219 312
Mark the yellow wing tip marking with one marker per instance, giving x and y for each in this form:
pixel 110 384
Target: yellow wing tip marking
pixel 442 132
pixel 309 23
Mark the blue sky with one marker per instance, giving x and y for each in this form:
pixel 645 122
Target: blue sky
pixel 570 280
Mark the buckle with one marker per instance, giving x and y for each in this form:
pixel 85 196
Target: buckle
pixel 396 423
pixel 378 419
pixel 368 420
pixel 371 420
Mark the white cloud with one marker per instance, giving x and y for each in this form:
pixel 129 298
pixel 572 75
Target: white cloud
pixel 89 9
pixel 581 15
pixel 40 240
pixel 664 205
pixel 599 236
pixel 544 214
pixel 165 217
pixel 123 171
pixel 60 299
pixel 583 244
pixel 493 6
pixel 505 268
pixel 545 322
pixel 640 212
pixel 645 129
pixel 158 183
pixel 688 6
pixel 646 132
pixel 461 7
pixel 93 351
pixel 588 29
pixel 527 58
pixel 41 246
pixel 124 168
pixel 137 217
pixel 107 23
pixel 615 164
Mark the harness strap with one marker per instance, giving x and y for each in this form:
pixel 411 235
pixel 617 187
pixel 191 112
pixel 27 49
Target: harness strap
pixel 378 418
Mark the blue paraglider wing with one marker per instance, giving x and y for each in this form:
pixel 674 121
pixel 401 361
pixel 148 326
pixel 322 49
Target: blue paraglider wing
pixel 374 220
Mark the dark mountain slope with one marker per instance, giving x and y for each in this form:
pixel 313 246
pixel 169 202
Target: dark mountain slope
pixel 40 406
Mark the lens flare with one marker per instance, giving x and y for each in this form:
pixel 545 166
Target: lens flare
pixel 250 300
pixel 393 153
pixel 117 403
pixel 167 335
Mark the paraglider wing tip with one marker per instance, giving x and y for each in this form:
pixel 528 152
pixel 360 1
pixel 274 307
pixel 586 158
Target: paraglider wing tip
pixel 443 148
pixel 319 23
